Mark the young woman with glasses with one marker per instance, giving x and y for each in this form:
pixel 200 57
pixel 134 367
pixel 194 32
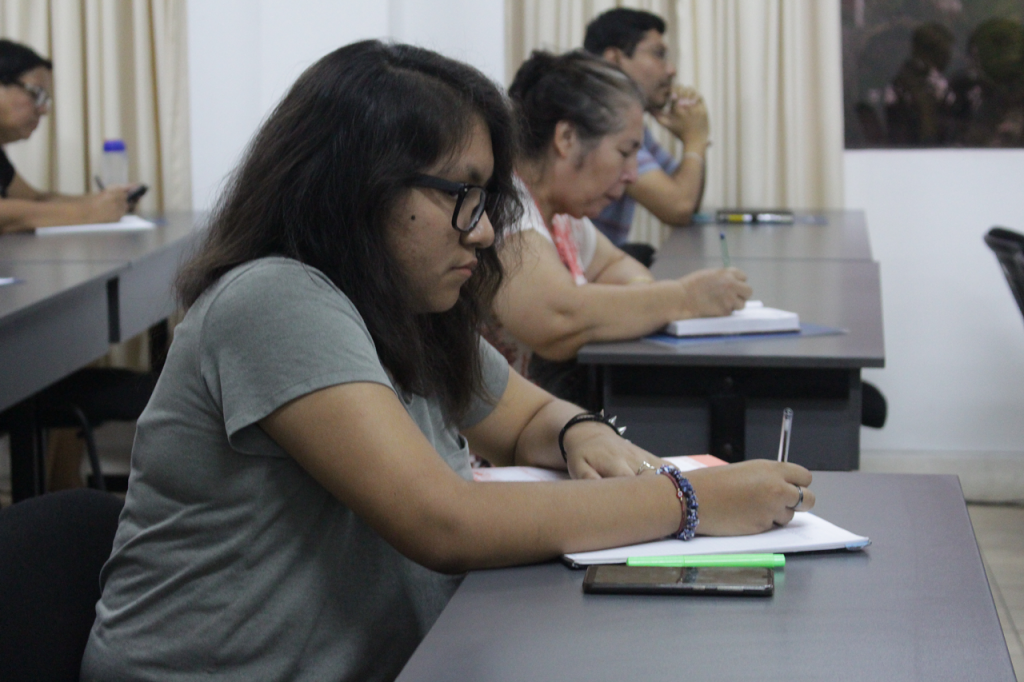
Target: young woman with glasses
pixel 300 504
pixel 26 81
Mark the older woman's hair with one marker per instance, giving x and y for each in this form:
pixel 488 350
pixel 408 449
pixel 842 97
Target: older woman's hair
pixel 322 178
pixel 17 59
pixel 577 87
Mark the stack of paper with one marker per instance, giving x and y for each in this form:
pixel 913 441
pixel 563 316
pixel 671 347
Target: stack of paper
pixel 755 318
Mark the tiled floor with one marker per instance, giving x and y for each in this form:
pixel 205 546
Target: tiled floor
pixel 1000 533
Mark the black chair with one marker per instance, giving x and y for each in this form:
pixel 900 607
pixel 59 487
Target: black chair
pixel 52 548
pixel 1009 249
pixel 85 400
pixel 90 397
pixel 640 251
pixel 873 406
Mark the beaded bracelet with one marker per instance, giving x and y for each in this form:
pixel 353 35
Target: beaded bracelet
pixel 688 501
pixel 587 417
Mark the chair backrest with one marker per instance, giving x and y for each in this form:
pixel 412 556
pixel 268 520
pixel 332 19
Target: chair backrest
pixel 1009 249
pixel 52 548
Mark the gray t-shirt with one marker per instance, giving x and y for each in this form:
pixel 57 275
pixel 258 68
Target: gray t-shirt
pixel 230 560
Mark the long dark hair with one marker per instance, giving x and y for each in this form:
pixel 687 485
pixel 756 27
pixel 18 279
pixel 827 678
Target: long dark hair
pixel 321 179
pixel 577 87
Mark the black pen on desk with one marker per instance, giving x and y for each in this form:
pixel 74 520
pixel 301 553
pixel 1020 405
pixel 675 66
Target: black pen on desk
pixel 726 263
pixel 787 430
pixel 99 183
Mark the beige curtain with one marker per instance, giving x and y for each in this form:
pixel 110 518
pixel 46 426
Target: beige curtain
pixel 770 71
pixel 120 70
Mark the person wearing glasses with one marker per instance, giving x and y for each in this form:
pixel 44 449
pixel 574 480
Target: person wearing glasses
pixel 26 81
pixel 568 285
pixel 301 504
pixel 670 188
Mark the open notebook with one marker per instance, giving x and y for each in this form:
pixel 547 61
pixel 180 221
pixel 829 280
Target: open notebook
pixel 805 533
pixel 754 318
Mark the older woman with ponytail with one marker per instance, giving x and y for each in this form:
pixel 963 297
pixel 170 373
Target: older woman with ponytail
pixel 567 284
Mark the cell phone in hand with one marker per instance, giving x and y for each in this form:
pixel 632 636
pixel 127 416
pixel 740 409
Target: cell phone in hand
pixel 712 581
pixel 136 194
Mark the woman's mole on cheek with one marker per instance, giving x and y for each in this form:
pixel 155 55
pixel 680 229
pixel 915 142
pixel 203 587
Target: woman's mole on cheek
pixel 412 217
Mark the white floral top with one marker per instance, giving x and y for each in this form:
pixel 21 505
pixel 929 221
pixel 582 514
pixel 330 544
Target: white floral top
pixel 575 241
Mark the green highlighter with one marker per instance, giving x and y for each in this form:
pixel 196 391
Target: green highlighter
pixel 741 560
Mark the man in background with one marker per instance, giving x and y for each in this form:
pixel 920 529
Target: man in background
pixel 669 188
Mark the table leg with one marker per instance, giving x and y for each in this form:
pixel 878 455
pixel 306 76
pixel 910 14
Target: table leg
pixel 159 337
pixel 28 465
pixel 691 410
pixel 727 423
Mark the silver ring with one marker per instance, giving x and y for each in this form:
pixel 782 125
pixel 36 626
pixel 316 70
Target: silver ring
pixel 799 502
pixel 645 465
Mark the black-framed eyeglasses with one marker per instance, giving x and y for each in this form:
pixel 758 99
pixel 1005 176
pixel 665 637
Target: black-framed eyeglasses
pixel 470 200
pixel 39 95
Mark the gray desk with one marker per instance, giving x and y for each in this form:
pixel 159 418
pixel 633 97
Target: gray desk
pixel 51 323
pixel 143 295
pixel 130 246
pixel 915 605
pixel 844 236
pixel 80 294
pixel 727 397
pixel 842 294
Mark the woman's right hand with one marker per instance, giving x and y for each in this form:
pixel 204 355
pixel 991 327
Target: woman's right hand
pixel 749 497
pixel 107 206
pixel 714 293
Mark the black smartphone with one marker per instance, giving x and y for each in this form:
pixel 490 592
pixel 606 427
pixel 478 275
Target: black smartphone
pixel 136 194
pixel 719 581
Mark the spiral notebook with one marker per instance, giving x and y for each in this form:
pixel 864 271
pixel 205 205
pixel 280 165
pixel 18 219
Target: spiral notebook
pixel 805 533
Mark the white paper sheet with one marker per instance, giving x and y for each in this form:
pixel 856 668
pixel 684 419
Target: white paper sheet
pixel 805 533
pixel 128 223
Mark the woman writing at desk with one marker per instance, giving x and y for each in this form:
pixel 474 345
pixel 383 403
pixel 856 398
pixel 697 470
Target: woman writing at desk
pixel 26 81
pixel 300 492
pixel 568 285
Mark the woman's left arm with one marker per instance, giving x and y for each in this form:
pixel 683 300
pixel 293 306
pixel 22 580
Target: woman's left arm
pixel 523 430
pixel 611 265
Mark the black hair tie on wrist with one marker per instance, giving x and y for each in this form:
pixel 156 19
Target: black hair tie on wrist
pixel 587 417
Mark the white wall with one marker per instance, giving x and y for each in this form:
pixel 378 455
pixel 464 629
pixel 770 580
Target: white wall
pixel 244 54
pixel 954 374
pixel 472 31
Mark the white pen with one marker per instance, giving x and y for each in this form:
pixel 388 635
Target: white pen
pixel 787 430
